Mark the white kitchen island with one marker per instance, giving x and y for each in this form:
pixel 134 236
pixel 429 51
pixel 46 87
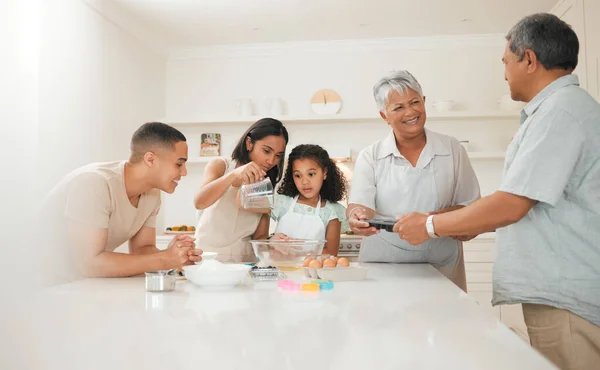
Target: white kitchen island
pixel 401 317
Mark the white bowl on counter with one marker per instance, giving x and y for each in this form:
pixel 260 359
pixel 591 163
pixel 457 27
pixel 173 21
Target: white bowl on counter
pixel 214 274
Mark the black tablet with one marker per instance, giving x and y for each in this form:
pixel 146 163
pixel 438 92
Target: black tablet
pixel 381 223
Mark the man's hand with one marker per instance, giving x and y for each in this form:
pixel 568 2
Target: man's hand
pixel 411 227
pixel 181 252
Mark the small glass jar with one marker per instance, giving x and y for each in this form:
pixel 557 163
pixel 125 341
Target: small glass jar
pixel 161 280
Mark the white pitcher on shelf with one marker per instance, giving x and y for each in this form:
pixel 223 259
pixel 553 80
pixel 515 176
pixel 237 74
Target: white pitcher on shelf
pixel 272 107
pixel 267 105
pixel 244 107
pixel 277 107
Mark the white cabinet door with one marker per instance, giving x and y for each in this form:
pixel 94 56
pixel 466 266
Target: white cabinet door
pixel 484 299
pixel 512 316
pixel 480 250
pixel 479 272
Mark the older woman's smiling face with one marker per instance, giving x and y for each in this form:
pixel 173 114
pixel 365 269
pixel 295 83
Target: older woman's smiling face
pixel 405 113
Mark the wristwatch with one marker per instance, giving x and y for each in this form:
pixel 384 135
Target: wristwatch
pixel 429 226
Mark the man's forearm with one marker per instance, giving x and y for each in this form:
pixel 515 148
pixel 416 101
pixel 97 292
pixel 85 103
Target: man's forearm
pixel 146 249
pixel 113 264
pixel 487 214
pixel 445 210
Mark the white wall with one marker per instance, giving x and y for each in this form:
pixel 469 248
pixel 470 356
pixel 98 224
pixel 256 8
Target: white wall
pixel 97 85
pixel 19 38
pixel 206 82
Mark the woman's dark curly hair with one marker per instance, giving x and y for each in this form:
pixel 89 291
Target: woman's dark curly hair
pixel 334 186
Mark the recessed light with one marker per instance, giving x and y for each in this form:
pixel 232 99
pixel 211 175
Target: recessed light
pixel 257 29
pixel 466 20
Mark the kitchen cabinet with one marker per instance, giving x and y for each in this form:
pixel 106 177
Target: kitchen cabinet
pixel 480 254
pixel 162 241
pixel 432 115
pixel 582 16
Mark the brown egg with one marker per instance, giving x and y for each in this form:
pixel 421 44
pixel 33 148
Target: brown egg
pixel 315 264
pixel 343 262
pixel 329 263
pixel 307 261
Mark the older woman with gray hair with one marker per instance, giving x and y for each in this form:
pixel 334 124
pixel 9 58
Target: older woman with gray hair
pixel 413 169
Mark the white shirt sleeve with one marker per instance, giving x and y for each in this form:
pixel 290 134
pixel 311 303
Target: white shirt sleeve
pixel 466 187
pixel 363 188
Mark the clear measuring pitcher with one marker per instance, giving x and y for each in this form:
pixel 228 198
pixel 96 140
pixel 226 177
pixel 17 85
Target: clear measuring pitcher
pixel 258 195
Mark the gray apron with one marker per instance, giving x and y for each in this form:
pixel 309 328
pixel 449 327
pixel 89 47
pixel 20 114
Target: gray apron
pixel 405 190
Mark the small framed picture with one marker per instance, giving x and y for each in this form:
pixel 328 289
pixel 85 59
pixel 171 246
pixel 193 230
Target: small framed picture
pixel 210 145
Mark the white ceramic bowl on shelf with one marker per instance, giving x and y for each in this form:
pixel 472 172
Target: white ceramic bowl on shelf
pixel 444 105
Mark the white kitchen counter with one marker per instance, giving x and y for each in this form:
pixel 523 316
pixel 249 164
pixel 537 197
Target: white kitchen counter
pixel 401 317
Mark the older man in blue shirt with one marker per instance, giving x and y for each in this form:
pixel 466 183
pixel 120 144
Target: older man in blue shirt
pixel 547 210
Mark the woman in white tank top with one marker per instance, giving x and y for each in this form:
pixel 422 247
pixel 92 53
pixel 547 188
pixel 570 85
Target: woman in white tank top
pixel 222 226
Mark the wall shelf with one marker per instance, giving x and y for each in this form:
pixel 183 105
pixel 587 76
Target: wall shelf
pixel 434 116
pixel 472 155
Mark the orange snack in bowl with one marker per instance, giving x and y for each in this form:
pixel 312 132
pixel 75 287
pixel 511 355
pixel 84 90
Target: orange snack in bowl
pixel 329 263
pixel 343 262
pixel 315 264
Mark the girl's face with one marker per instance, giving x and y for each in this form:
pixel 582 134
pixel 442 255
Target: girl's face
pixel 308 177
pixel 266 152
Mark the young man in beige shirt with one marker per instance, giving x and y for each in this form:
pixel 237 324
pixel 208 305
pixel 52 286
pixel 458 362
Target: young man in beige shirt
pixel 98 207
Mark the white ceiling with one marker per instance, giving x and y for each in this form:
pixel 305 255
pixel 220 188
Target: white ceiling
pixel 194 23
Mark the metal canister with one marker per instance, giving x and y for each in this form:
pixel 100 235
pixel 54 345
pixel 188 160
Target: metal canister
pixel 160 280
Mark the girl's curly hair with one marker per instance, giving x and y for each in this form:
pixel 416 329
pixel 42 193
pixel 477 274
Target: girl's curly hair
pixel 334 186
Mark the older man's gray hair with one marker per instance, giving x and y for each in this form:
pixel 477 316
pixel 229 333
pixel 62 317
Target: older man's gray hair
pixel 553 41
pixel 400 81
